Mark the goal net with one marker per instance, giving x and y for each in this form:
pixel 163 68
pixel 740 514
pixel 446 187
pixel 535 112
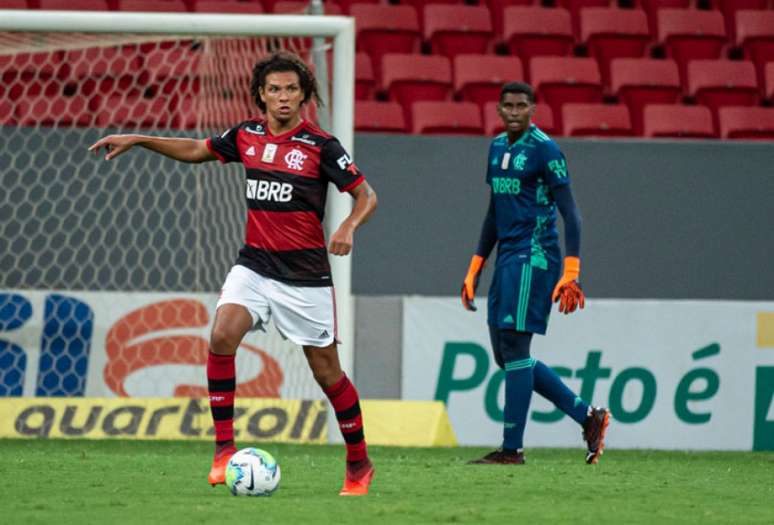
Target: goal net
pixel 140 226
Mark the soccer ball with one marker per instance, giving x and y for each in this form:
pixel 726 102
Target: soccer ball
pixel 252 472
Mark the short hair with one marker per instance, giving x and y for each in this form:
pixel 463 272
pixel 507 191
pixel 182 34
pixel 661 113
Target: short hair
pixel 516 88
pixel 280 62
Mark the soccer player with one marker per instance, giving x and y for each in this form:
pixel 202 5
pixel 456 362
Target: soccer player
pixel 529 180
pixel 283 268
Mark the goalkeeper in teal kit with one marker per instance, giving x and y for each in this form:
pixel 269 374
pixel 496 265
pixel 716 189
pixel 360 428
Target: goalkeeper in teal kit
pixel 529 180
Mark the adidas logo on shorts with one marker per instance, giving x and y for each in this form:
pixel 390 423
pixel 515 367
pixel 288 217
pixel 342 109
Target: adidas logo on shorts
pixel 324 333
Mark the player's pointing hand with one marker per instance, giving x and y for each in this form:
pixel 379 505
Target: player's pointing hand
pixel 114 144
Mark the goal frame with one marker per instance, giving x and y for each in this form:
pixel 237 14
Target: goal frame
pixel 340 28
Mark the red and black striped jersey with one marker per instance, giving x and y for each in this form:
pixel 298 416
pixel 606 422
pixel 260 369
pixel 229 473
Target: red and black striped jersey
pixel 287 179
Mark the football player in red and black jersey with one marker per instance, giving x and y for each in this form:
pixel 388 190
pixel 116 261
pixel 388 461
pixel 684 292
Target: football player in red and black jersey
pixel 282 270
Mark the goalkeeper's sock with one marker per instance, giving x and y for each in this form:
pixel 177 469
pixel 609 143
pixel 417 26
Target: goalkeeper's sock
pixel 549 385
pixel 518 394
pixel 221 384
pixel 346 403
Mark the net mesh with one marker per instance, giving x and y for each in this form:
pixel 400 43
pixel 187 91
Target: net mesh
pixel 71 221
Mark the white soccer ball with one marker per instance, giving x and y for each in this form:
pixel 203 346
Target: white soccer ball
pixel 252 472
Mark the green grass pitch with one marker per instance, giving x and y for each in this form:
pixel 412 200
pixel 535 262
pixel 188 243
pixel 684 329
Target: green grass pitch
pixel 149 482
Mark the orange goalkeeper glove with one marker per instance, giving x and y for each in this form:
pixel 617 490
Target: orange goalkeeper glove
pixel 471 282
pixel 568 291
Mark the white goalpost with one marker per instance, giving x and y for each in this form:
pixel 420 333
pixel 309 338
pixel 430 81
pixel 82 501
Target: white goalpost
pixel 82 45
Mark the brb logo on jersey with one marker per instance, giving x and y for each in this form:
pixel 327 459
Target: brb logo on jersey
pixel 295 159
pixel 264 190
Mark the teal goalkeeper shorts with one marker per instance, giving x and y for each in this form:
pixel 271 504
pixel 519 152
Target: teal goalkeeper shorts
pixel 520 295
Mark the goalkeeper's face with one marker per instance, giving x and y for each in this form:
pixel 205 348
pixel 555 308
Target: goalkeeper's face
pixel 283 96
pixel 516 110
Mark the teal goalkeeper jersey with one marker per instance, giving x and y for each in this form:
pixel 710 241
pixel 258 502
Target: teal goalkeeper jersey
pixel 521 176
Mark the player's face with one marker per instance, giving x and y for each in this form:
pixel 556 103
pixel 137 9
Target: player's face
pixel 283 96
pixel 516 111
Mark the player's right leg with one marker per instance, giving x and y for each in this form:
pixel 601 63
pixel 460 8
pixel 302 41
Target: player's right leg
pixel 239 308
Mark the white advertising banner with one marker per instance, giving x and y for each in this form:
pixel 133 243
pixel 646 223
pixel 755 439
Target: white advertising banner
pixel 675 374
pixel 110 344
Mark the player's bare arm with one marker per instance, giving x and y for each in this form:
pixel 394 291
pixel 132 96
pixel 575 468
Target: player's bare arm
pixel 182 149
pixel 365 204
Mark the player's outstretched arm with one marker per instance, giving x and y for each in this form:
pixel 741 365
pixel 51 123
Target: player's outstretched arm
pixel 182 149
pixel 365 203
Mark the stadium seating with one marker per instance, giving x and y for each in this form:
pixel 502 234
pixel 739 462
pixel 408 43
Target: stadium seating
pixel 346 5
pixel 77 5
pixel 730 9
pixel 667 120
pixel 408 78
pixel 6 112
pixel 768 83
pixel 479 78
pixel 49 111
pixel 746 123
pixel 455 29
pixel 419 5
pixel 651 7
pixel 164 6
pixel 755 35
pixel 135 112
pixel 228 7
pixel 13 4
pixel 537 31
pixel 496 8
pixel 171 69
pixel 638 82
pixel 613 33
pixel 596 120
pixel 690 34
pixel 575 7
pixel 448 118
pixel 383 117
pixel 716 83
pixel 383 29
pixel 560 80
pixel 365 81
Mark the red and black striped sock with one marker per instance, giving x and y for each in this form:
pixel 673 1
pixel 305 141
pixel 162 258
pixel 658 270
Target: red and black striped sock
pixel 221 383
pixel 346 403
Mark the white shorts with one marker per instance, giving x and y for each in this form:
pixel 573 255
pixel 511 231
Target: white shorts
pixel 304 314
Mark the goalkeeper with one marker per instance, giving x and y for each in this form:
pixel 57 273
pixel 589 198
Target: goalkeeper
pixel 529 180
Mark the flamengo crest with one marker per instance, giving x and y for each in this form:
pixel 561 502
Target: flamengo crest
pixel 295 159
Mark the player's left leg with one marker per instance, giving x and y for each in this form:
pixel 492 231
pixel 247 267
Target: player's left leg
pixel 324 362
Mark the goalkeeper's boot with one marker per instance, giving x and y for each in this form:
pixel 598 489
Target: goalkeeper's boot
pixel 501 457
pixel 358 479
pixel 217 473
pixel 594 429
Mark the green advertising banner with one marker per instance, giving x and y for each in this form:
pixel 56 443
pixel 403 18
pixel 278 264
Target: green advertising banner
pixel 674 374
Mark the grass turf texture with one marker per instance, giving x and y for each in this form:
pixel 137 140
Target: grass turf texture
pixel 64 482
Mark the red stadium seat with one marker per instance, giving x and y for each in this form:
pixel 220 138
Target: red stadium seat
pixel 409 78
pixel 346 5
pixel 716 83
pixel 228 7
pixel 768 83
pixel 638 82
pixel 537 31
pixel 13 4
pixel 731 8
pixel 678 121
pixel 172 70
pixel 652 6
pixel 613 33
pixel 456 29
pixel 690 34
pixel 596 120
pixel 383 117
pixel 54 111
pixel 74 5
pixel 755 35
pixel 447 118
pixel 543 118
pixel 575 7
pixel 382 29
pixel 479 78
pixel 497 8
pixel 297 7
pixel 135 112
pixel 365 81
pixel 747 123
pixel 419 5
pixel 151 6
pixel 559 80
pixel 103 61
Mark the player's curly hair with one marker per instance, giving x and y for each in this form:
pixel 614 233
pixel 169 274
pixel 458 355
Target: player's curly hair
pixel 517 88
pixel 282 61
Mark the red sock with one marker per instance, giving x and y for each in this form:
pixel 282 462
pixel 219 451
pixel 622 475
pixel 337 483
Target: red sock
pixel 346 403
pixel 221 383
